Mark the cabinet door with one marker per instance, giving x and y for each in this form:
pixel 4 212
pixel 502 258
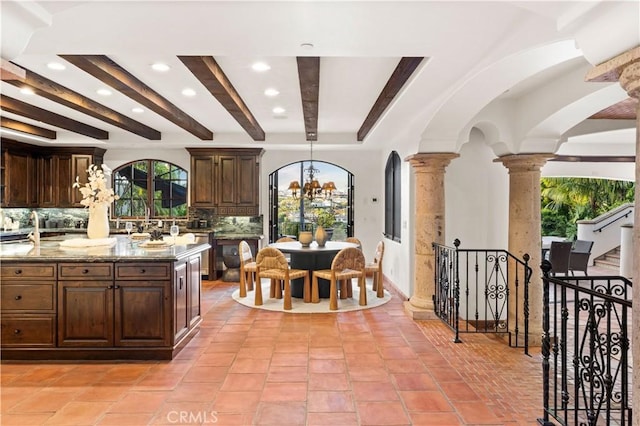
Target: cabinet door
pixel 79 166
pixel 85 313
pixel 202 181
pixel 193 298
pixel 63 163
pixel 142 313
pixel 247 181
pixel 180 307
pixel 226 180
pixel 47 181
pixel 20 179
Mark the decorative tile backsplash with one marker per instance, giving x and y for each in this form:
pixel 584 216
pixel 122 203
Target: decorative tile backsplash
pixel 77 218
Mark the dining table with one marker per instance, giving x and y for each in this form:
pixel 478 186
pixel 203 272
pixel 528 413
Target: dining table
pixel 311 258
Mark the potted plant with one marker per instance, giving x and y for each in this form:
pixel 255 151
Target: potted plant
pixel 326 219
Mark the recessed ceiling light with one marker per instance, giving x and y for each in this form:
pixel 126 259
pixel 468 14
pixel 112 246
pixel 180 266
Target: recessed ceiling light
pixel 56 66
pixel 306 46
pixel 260 66
pixel 137 110
pixel 27 91
pixel 279 110
pixel 160 67
pixel 188 92
pixel 271 92
pixel 104 92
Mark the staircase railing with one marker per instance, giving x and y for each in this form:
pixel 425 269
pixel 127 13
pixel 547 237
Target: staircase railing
pixel 482 291
pixel 586 355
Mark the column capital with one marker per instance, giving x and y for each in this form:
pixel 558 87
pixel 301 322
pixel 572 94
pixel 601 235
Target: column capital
pixel 630 80
pixel 425 161
pixel 524 162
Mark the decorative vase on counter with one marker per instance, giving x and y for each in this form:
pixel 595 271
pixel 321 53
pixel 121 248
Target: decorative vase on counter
pixel 321 236
pixel 305 238
pixel 98 225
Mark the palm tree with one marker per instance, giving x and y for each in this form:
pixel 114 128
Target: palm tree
pixel 581 198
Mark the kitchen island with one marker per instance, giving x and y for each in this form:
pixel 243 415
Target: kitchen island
pixel 117 301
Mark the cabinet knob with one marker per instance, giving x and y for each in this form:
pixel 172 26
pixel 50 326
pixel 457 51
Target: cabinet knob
pixel 18 271
pixel 142 271
pixel 17 331
pixel 109 286
pixel 18 297
pixel 85 271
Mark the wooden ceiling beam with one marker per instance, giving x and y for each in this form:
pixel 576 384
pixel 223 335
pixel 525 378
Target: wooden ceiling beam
pixel 10 71
pixel 23 109
pixel 207 70
pixel 29 129
pixel 309 76
pixel 57 93
pixel 109 72
pixel 399 77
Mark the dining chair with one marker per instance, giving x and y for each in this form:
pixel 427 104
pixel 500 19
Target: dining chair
pixel 271 264
pixel 580 253
pixel 375 268
pixel 285 240
pixel 346 265
pixel 354 240
pixel 559 255
pixel 247 268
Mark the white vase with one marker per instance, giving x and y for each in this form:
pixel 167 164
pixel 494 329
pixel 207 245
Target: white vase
pixel 98 225
pixel 321 236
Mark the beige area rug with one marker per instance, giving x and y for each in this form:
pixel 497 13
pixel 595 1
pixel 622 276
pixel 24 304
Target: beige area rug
pixel 299 307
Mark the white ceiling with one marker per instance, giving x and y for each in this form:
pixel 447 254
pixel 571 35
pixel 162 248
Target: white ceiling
pixel 359 43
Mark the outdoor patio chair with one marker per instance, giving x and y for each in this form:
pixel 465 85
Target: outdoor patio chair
pixel 580 253
pixel 559 255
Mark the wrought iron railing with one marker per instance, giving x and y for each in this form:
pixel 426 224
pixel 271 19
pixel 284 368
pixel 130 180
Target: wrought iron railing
pixel 483 291
pixel 586 355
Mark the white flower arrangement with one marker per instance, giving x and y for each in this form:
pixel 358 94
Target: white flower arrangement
pixel 95 191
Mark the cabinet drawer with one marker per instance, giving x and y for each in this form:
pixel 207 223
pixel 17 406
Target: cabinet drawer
pixel 141 271
pixel 92 271
pixel 27 297
pixel 28 270
pixel 28 331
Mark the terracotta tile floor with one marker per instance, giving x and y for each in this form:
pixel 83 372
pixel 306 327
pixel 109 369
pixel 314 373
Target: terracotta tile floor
pixel 246 366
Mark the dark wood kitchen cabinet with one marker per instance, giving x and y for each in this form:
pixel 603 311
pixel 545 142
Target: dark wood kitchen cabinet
pixel 100 309
pixel 43 176
pixel 19 179
pixel 226 180
pixel 28 305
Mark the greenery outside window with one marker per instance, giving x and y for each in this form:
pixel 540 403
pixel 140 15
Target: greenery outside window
pixel 159 186
pixel 392 206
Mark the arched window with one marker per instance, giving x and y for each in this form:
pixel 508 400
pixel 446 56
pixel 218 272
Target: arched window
pixel 392 192
pixel 289 214
pixel 156 185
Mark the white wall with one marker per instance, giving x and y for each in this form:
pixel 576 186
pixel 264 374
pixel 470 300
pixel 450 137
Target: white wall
pixel 477 198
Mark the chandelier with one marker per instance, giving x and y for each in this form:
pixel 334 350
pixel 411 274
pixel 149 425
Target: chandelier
pixel 311 188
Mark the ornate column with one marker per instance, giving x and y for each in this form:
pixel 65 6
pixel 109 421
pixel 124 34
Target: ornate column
pixel 625 68
pixel 525 231
pixel 428 169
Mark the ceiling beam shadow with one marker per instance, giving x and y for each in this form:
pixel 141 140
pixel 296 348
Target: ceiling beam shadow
pixel 109 72
pixel 23 109
pixel 29 129
pixel 57 93
pixel 399 77
pixel 309 76
pixel 209 73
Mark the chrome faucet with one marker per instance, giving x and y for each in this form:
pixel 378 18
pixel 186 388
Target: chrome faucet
pixel 34 236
